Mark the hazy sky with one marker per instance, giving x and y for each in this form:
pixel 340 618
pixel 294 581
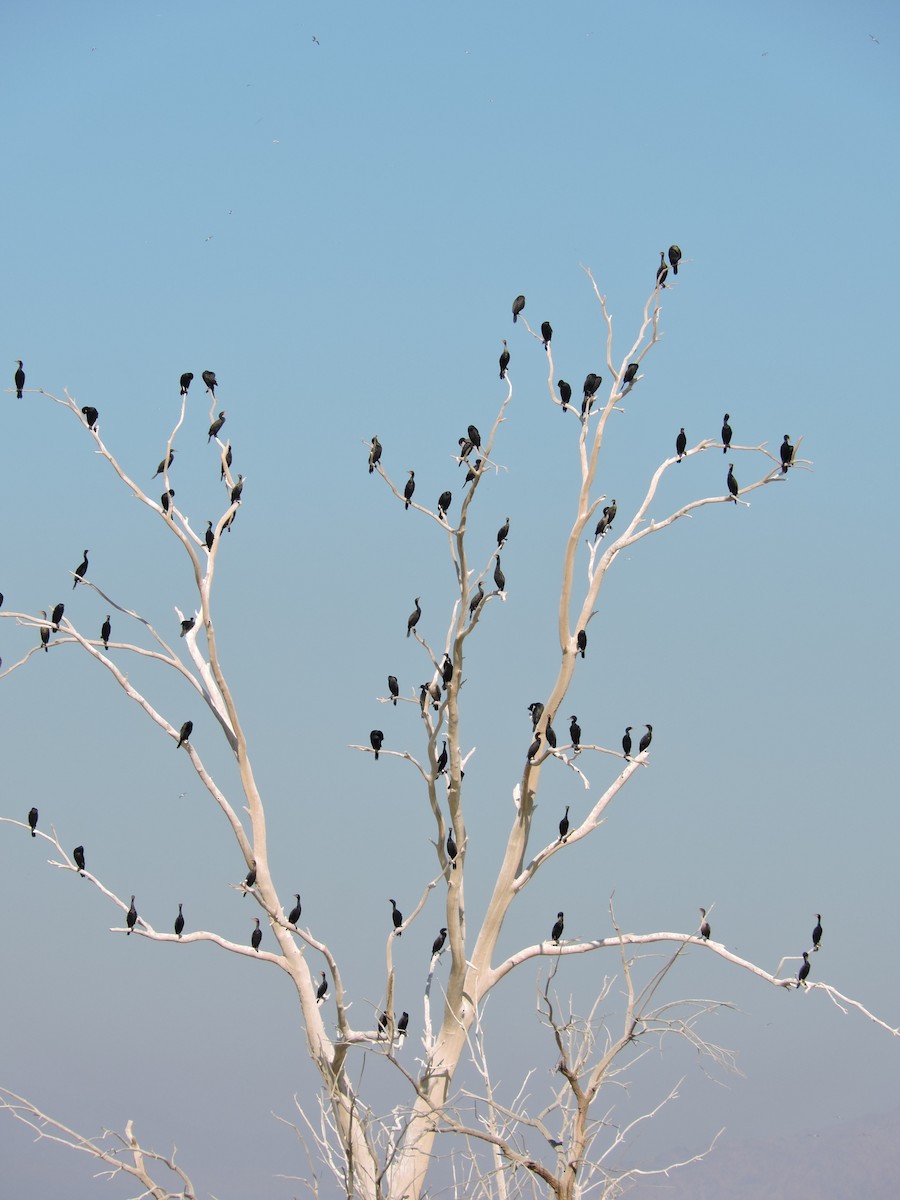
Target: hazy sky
pixel 333 206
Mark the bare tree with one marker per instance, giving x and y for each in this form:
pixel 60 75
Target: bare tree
pixel 566 1147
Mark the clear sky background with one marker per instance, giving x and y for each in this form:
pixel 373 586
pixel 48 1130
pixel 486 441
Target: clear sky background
pixel 332 206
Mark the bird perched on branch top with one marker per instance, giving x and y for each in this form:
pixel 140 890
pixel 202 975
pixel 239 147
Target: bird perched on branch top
pixel 557 929
pixel 675 257
pixel 409 489
pixel 564 826
pixel 131 916
pixel 20 378
pixel 165 463
pixel 81 570
pixel 503 532
pixel 184 733
pixel 374 453
pixel 237 489
pixel 817 932
pixel 662 270
pixel 626 741
pixel 804 970
pixel 396 917
pixel 726 433
pixel 185 382
pixel 256 936
pixel 78 855
pixel 179 922
pixel 644 743
pixel 546 332
pixel 209 378
pixel 681 444
pixel 517 306
pixel 504 359
pixel 705 930
pixel 216 426
pixel 732 483
pixel 575 733
pixel 105 631
pixel 787 454
pixel 33 820
pixel 413 618
pixel 393 688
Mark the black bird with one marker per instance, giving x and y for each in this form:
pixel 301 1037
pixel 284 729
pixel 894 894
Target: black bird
pixel 564 826
pixel 472 472
pixel 630 372
pixel 256 936
pixel 438 944
pixel 817 932
pixel 451 849
pixel 165 464
pixel 591 384
pixel 476 599
pixel 444 501
pixel 447 669
pixel 503 532
pixel 209 378
pixel 409 489
pixel 20 377
pixel 396 917
pixel 78 855
pixel 228 522
pixel 565 393
pixel 681 444
pixel 581 642
pixel 575 733
pixel 187 625
pixel 209 537
pixel 216 426
pixel 413 618
pixel 184 733
pixel 56 616
pixel 185 382
pixel 382 1023
pixel 537 711
pixel 804 970
pixel 550 734
pixel 179 922
pixel 705 930
pixel 166 499
pixel 557 929
pixel 518 305
pixel 250 880
pixel 442 760
pixel 322 989
pixel 227 462
pixel 81 570
pixel 546 332
pixel 605 522
pixel 237 489
pixel 294 914
pixel 626 741
pixel 374 453
pixel 393 688
pixel 732 483
pixel 644 743
pixel 534 748
pixel 726 433
pixel 403 1024
pixel 45 631
pixel 662 270
pixel 376 737
pixel 91 416
pixel 33 820
pixel 787 454
pixel 504 359
pixel 675 257
pixel 131 917
pixel 465 449
pixel 499 577
pixel 105 631
pixel 474 436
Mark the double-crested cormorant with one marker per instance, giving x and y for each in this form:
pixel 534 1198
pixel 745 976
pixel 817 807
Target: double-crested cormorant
pixel 33 820
pixel 476 599
pixel 80 571
pixel 472 472
pixel 105 631
pixel 438 944
pixel 56 616
pixel 804 969
pixel 209 378
pixel 165 464
pixel 626 741
pixel 575 733
pixel 726 433
pixel 184 733
pixel 644 743
pixel 499 577
pixel 413 618
pixel 557 929
pixel 382 1023
pixel 374 453
pixel 787 454
pixel 605 522
pixel 396 917
pixel 322 989
pixel 20 376
pixel 444 501
pixel 705 930
pixel 534 748
pixel 503 532
pixel 209 537
pixel 250 879
pixel 504 359
pixel 393 688
pixel 591 384
pixel 376 737
pixel 294 914
pixel 131 917
pixel 45 630
pixel 564 826
pixel 451 849
pixel 403 1024
pixel 662 270
pixel 447 669
pixel 237 489
pixel 546 332
pixel 474 436
pixel 185 382
pixel 179 922
pixel 442 759
pixel 256 936
pixel 78 855
pixel 681 444
pixel 165 501
pixel 409 489
pixel 675 257
pixel 581 641
pixel 732 483
pixel 518 305
pixel 465 449
pixel 228 457
pixel 91 416
pixel 187 625
pixel 565 393
pixel 537 711
pixel 630 372
pixel 216 426
pixel 817 932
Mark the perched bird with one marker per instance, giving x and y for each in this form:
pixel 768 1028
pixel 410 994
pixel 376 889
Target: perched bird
pixel 472 472
pixel 581 642
pixel 409 489
pixel 565 393
pixel 322 989
pixel 674 257
pixel 56 616
pixel 535 748
pixel 184 733
pixel 374 453
pixel 45 630
pixel 165 464
pixel 681 444
pixel 804 969
pixel 626 741
pixel 705 930
pixel 396 917
pixel 504 359
pixel 256 936
pixel 662 270
pixel 403 1024
pixel 476 599
pixel 591 384
pixel 81 570
pixel 382 1023
pixel 630 372
pixel 644 743
pixel 393 688
pixel 817 932
pixel 33 820
pixel 442 759
pixel 503 532
pixel 209 537
pixel 179 922
pixel 376 737
pixel 537 711
pixel 413 618
pixel 438 944
pixel 185 382
pixel 131 917
pixel 216 426
pixel 209 378
pixel 546 332
pixel 550 734
pixel 226 460
pixel 20 376
pixel 605 522
pixel 451 849
pixel 250 880
pixel 78 855
pixel 444 501
pixel 465 449
pixel 474 436
pixel 564 826
pixel 726 433
pixel 294 914
pixel 557 929
pixel 91 416
pixel 499 577
pixel 732 483
pixel 166 499
pixel 237 489
pixel 187 625
pixel 105 631
pixel 787 454
pixel 518 305
pixel 447 669
pixel 575 733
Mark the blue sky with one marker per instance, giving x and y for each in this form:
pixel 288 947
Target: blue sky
pixel 338 228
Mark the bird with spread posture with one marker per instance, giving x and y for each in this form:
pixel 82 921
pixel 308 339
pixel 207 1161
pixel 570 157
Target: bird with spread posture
pixel 517 306
pixel 20 379
pixel 681 444
pixel 322 989
pixel 179 922
pixel 444 501
pixel 503 532
pixel 675 257
pixel 438 944
pixel 451 849
pixel 105 631
pixel 504 359
pixel 184 733
pixel 817 932
pixel 91 416
pixel 630 372
pixel 644 743
pixel 209 378
pixel 376 737
pixel 557 929
pixel 78 855
pixel 374 453
pixel 575 733
pixel 662 270
pixel 409 489
pixel 256 936
pixel 565 393
pixel 413 618
pixel 787 454
pixel 81 570
pixel 165 464
pixel 56 616
pixel 626 741
pixel 396 917
pixel 393 688
pixel 705 930
pixel 732 483
pixel 564 826
pixel 185 382
pixel 726 433
pixel 294 914
pixel 546 332
pixel 33 820
pixel 131 917
pixel 216 426
pixel 804 969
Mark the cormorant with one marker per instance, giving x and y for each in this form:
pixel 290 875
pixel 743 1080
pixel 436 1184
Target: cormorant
pixel 644 743
pixel 472 472
pixel 451 849
pixel 787 454
pixel 581 642
pixel 609 515
pixel 165 464
pixel 681 444
pixel 476 599
pixel 732 483
pixel 227 462
pixel 465 449
pixel 534 748
pixel 546 332
pixel 705 930
pixel 442 759
pixel 382 1023
pixel 499 577
pixel 80 571
pixel 78 855
pixel 374 453
pixel 393 688
pixel 184 733
pixel 91 416
pixel 376 737
pixel 33 820
pixel 817 932
pixel 56 616
pixel 444 501
pixel 216 426
pixel 209 537
pixel 45 630
pixel 504 359
pixel 557 929
pixel 185 382
pixel 518 305
pixel 396 917
pixel 179 922
pixel 804 969
pixel 438 944
pixel 726 433
pixel 105 631
pixel 237 489
pixel 474 436
pixel 626 741
pixel 209 378
pixel 403 1024
pixel 503 532
pixel 447 669
pixel 591 384
pixel 20 376
pixel 550 734
pixel 565 393
pixel 564 826
pixel 630 372
pixel 131 917
pixel 662 270
pixel 165 500
pixel 250 880
pixel 256 936
pixel 187 625
pixel 537 711
pixel 675 257
pixel 322 989
pixel 294 914
pixel 575 733
pixel 409 489
pixel 413 618
pixel 228 522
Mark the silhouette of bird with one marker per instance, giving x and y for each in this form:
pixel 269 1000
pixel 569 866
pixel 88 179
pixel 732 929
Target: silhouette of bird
pixel 105 631
pixel 228 457
pixel 56 616
pixel 165 464
pixel 294 914
pixel 499 577
pixel 442 760
pixel 591 384
pixel 662 270
pixel 209 378
pixel 474 436
pixel 787 454
pixel 185 382
pixel 465 449
pixel 216 426
pixel 581 642
pixel 187 625
pixel 675 257
pixel 179 922
pixel 209 537
pixel 726 433
pixel 817 932
pixel 374 453
pixel 409 489
pixel 564 826
pixel 503 532
pixel 804 969
pixel 537 711
pixel 438 944
pixel 472 472
pixel 20 378
pixel 630 372
pixel 237 489
pixel 732 483
pixel 413 618
pixel 517 306
pixel 393 688
pixel 33 820
pixel 550 734
pixel 166 499
pixel 250 880
pixel 91 416
pixel 705 930
pixel 546 332
pixel 626 741
pixel 681 444
pixel 447 669
pixel 184 733
pixel 605 522
pixel 382 1023
pixel 322 989
pixel 45 631
pixel 80 571
pixel 403 1024
pixel 451 849
pixel 565 393
pixel 131 917
pixel 78 855
pixel 476 599
pixel 534 748
pixel 396 917
pixel 644 743
pixel 504 359
pixel 256 936
pixel 575 733
pixel 557 929
pixel 444 501
pixel 376 737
